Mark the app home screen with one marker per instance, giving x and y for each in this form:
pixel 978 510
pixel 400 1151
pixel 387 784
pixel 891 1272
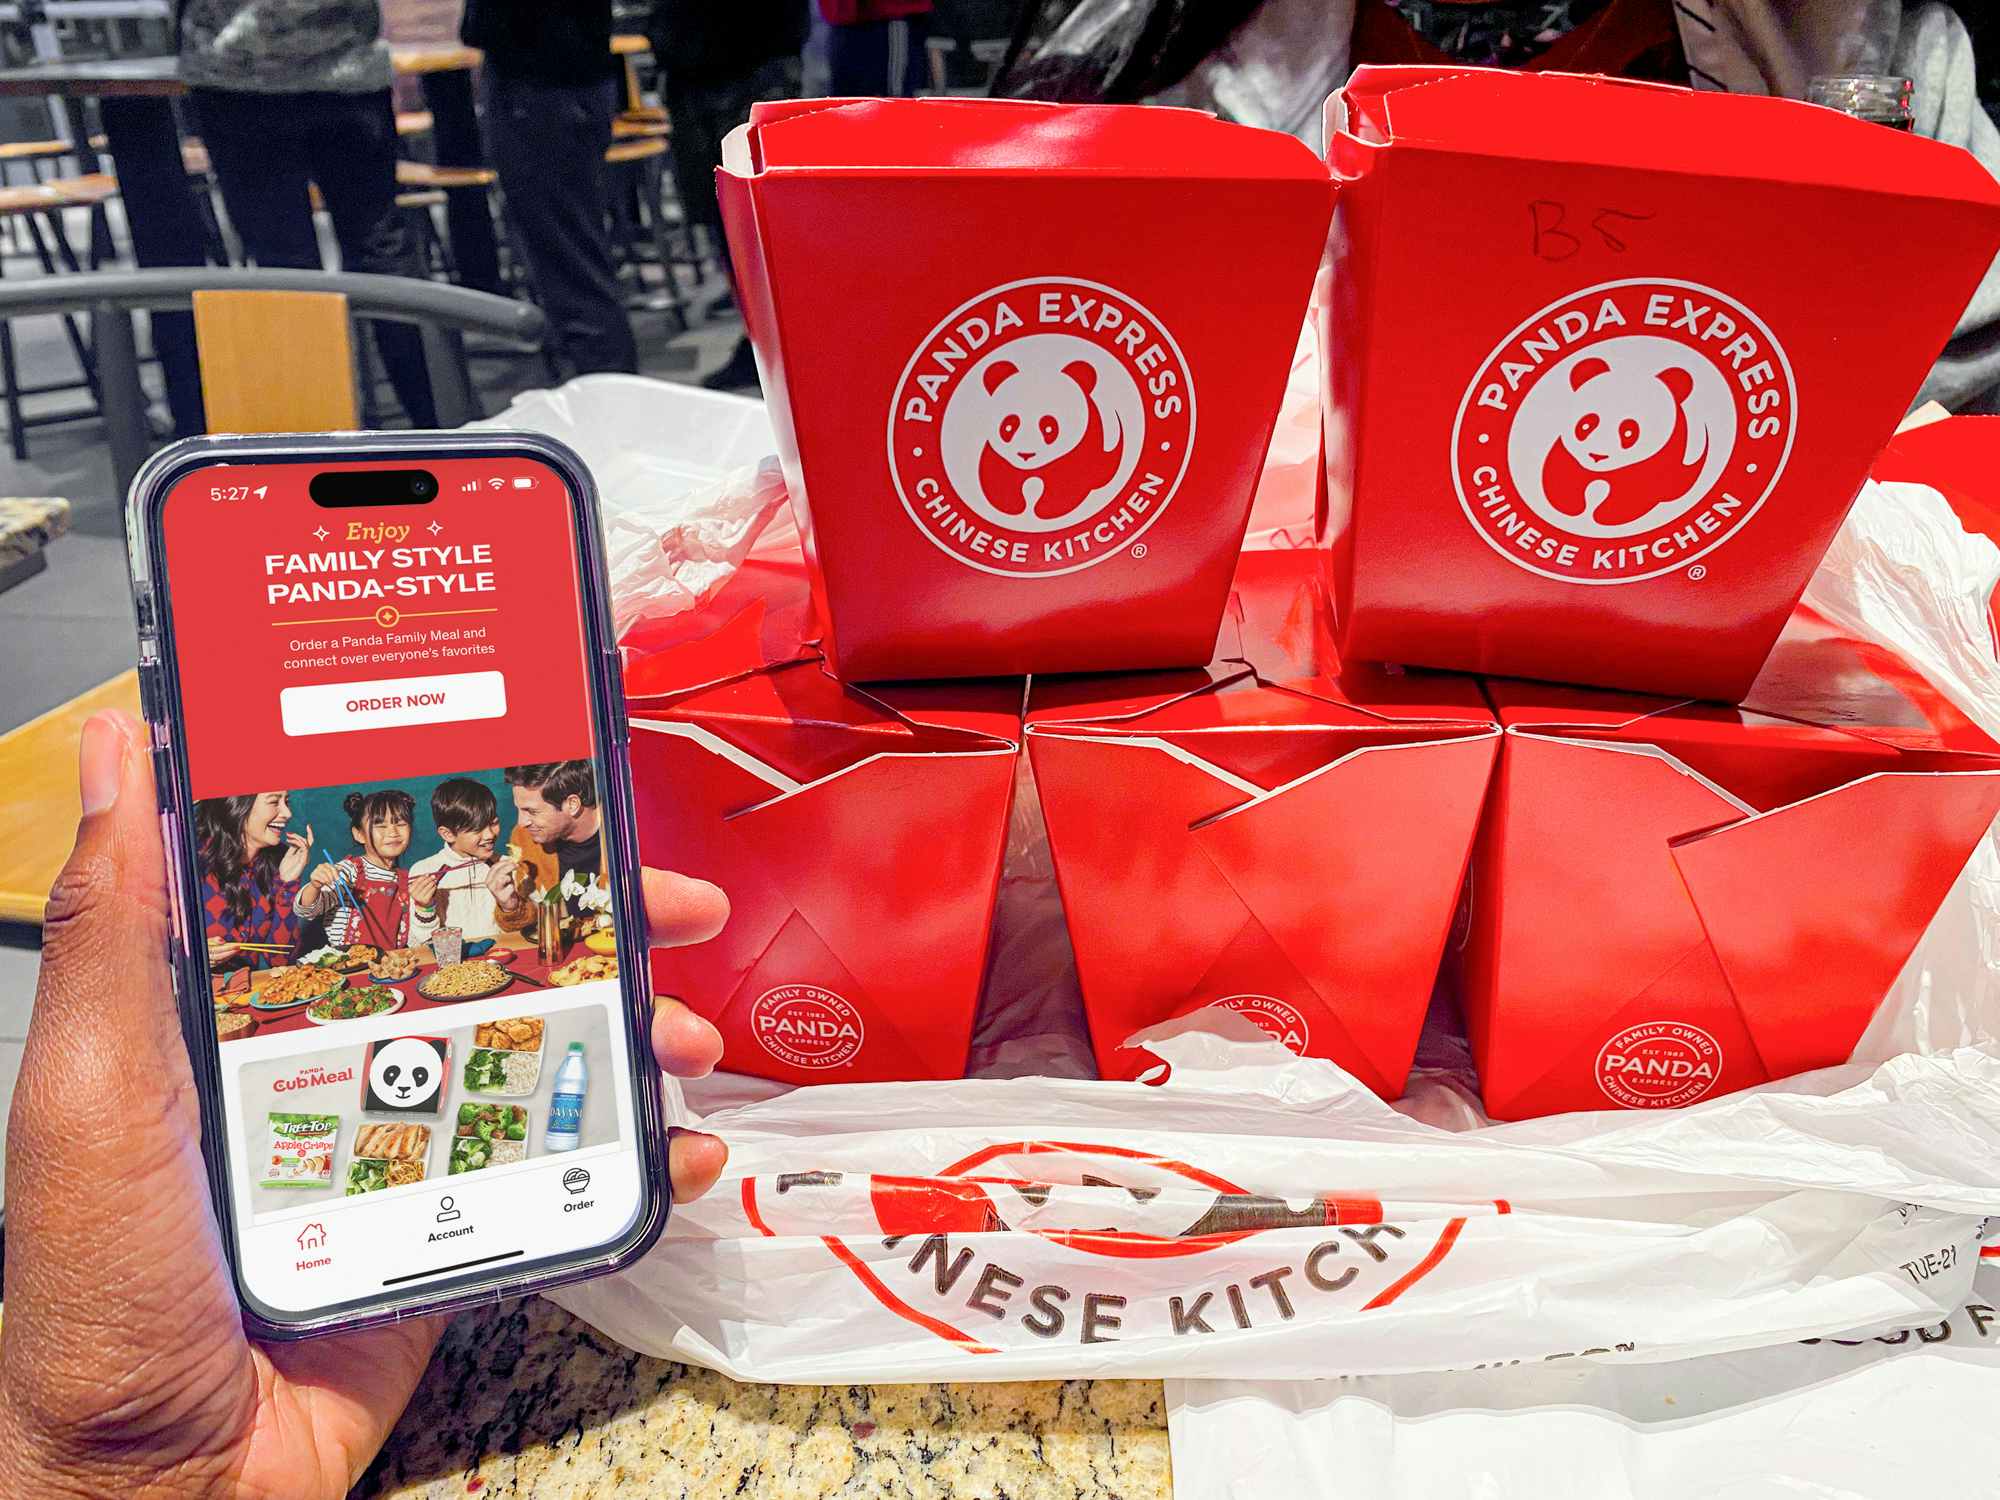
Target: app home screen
pixel 400 860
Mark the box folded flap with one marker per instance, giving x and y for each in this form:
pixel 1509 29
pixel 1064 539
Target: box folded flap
pixel 743 678
pixel 1778 895
pixel 1581 118
pixel 1276 702
pixel 1375 896
pixel 1014 136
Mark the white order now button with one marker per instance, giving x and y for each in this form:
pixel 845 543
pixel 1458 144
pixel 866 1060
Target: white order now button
pixel 391 702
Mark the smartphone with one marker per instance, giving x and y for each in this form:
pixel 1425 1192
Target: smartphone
pixel 408 936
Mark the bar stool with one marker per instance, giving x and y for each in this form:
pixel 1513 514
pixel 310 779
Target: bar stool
pixel 638 152
pixel 38 208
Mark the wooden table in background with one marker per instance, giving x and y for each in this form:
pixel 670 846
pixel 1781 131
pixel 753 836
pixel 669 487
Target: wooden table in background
pixel 39 811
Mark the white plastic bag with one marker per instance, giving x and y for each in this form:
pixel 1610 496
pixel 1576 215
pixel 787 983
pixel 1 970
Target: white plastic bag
pixel 1261 1215
pixel 685 479
pixel 1883 1418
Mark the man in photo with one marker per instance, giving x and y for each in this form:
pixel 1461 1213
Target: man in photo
pixel 468 825
pixel 558 829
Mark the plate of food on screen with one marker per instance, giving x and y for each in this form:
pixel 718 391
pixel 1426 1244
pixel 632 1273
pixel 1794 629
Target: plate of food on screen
pixel 355 1003
pixel 291 985
pixel 469 979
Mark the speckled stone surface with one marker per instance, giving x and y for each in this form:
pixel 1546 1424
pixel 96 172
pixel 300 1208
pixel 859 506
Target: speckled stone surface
pixel 28 525
pixel 524 1400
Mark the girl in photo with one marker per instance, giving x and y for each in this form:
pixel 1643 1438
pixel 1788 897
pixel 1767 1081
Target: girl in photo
pixel 250 868
pixel 368 897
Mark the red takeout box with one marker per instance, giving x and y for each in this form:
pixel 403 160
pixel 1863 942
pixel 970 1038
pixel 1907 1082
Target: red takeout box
pixel 858 836
pixel 1023 362
pixel 1607 363
pixel 1670 901
pixel 1265 833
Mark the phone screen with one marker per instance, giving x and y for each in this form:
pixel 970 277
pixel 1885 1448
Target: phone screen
pixel 398 843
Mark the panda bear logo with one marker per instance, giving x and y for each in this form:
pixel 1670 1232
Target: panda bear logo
pixel 1621 436
pixel 1042 432
pixel 1047 449
pixel 406 1075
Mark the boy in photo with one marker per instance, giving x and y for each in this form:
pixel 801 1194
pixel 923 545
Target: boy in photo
pixel 367 897
pixel 468 824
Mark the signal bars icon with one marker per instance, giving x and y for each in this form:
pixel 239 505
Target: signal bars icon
pixel 469 485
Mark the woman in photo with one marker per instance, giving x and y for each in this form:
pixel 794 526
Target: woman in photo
pixel 250 868
pixel 368 897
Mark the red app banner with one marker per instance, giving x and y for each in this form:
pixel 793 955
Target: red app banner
pixel 316 643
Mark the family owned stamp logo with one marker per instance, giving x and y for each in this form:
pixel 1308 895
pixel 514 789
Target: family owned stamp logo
pixel 1658 1065
pixel 1042 427
pixel 807 1026
pixel 1624 432
pixel 1279 1019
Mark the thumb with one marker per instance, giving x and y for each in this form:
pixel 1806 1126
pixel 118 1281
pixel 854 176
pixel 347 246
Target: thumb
pixel 115 1267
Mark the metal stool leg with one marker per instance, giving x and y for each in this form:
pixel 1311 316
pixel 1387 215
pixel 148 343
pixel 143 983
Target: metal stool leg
pixel 81 347
pixel 17 430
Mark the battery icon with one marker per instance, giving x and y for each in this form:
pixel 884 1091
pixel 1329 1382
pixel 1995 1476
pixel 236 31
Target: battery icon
pixel 523 482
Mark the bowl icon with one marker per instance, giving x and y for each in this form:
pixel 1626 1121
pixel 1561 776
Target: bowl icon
pixel 575 1180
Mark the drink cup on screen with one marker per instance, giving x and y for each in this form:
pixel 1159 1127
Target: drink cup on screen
pixel 1026 438
pixel 448 945
pixel 565 1130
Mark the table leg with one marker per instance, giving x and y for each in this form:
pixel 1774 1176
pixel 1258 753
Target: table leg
pixel 166 229
pixel 455 136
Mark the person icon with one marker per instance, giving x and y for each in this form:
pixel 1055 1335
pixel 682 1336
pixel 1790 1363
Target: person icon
pixel 446 1211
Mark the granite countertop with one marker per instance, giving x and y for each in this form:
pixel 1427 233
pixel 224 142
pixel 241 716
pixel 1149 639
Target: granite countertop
pixel 525 1400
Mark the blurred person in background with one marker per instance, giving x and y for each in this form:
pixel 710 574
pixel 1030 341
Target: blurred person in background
pixel 716 60
pixel 550 91
pixel 875 48
pixel 295 92
pixel 1273 63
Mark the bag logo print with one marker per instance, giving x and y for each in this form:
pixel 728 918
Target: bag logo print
pixel 1624 432
pixel 807 1026
pixel 1658 1065
pixel 1025 1243
pixel 1041 428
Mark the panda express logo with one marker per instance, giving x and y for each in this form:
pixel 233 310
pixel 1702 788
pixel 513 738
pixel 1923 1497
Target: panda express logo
pixel 807 1026
pixel 1658 1065
pixel 1624 432
pixel 1041 428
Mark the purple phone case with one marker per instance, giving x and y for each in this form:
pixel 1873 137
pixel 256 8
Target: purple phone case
pixel 159 691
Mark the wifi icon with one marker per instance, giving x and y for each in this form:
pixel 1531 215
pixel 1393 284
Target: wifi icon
pixel 496 483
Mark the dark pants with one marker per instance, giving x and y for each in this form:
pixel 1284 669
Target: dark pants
pixel 702 112
pixel 877 59
pixel 265 149
pixel 548 142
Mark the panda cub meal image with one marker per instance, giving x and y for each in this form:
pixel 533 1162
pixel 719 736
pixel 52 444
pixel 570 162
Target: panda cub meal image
pixel 406 1076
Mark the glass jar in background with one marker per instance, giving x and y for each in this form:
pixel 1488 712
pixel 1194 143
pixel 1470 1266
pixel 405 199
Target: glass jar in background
pixel 1867 96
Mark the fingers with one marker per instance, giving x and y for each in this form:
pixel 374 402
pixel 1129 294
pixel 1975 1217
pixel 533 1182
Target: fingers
pixel 695 1162
pixel 682 911
pixel 132 1265
pixel 684 1044
pixel 298 841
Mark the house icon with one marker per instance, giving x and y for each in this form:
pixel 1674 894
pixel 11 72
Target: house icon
pixel 313 1236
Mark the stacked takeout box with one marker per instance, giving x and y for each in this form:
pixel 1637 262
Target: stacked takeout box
pixel 1605 366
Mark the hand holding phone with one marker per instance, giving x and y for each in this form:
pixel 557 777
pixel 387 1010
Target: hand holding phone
pixel 167 1371
pixel 407 637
